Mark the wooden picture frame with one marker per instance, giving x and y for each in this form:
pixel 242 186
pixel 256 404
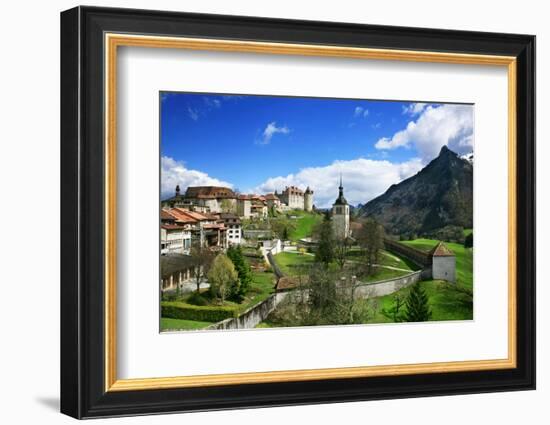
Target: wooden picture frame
pixel 90 38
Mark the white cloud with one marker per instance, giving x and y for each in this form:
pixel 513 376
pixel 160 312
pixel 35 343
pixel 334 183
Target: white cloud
pixel 212 103
pixel 450 125
pixel 414 108
pixel 270 130
pixel 193 113
pixel 174 172
pixel 364 179
pixel 360 112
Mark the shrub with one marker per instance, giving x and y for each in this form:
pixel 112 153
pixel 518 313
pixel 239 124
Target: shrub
pixel 180 310
pixel 197 299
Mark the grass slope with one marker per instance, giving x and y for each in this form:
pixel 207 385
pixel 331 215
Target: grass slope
pixel 305 223
pixel 290 262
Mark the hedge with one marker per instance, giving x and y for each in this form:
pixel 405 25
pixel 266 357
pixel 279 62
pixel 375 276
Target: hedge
pixel 180 310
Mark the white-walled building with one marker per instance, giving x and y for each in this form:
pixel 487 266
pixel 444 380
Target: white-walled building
pixel 234 232
pixel 174 239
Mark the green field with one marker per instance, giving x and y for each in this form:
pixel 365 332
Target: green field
pixel 168 324
pixel 305 223
pixel 446 303
pixel 293 264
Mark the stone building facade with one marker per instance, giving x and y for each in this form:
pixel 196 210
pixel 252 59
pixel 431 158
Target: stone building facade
pixel 293 197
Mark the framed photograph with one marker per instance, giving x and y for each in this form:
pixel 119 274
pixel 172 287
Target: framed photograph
pixel 261 212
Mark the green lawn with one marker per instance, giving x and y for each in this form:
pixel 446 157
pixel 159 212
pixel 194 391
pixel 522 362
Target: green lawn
pixel 466 232
pixel 290 263
pixel 464 258
pixel 305 223
pixel 446 303
pixel 168 324
pixel 293 264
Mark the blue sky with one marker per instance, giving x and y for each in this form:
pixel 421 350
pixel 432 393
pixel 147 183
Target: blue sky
pixel 262 143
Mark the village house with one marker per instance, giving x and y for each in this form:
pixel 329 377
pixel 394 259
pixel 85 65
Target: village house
pixel 272 201
pixel 204 227
pixel 233 225
pixel 175 234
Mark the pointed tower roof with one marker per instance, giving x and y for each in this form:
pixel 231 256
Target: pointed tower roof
pixel 341 200
pixel 441 250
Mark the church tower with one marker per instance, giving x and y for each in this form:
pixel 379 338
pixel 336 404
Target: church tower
pixel 340 214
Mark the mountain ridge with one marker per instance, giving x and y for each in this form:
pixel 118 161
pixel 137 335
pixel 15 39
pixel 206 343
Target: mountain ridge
pixel 439 195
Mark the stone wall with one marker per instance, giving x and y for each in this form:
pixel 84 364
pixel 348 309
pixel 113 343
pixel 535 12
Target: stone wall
pixel 389 286
pixel 417 256
pixel 253 316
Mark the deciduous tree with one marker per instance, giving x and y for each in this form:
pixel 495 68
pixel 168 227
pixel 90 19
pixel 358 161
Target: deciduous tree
pixel 222 277
pixel 371 239
pixel 201 258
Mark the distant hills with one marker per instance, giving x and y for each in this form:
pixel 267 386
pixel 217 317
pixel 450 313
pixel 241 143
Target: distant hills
pixel 438 196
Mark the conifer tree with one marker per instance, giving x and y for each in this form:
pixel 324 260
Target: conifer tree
pixel 325 247
pixel 418 309
pixel 242 267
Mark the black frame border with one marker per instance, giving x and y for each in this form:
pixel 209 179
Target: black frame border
pixel 82 212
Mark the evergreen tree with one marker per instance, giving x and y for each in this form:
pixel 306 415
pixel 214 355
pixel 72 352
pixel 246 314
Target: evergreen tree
pixel 242 267
pixel 418 309
pixel 469 241
pixel 325 239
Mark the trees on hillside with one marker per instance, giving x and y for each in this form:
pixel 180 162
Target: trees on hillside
pixel 283 227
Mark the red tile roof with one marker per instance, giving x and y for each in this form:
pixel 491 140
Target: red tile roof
pixel 209 192
pixel 172 227
pixel 441 250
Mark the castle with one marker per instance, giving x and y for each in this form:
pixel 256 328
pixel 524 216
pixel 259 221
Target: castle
pixel 217 199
